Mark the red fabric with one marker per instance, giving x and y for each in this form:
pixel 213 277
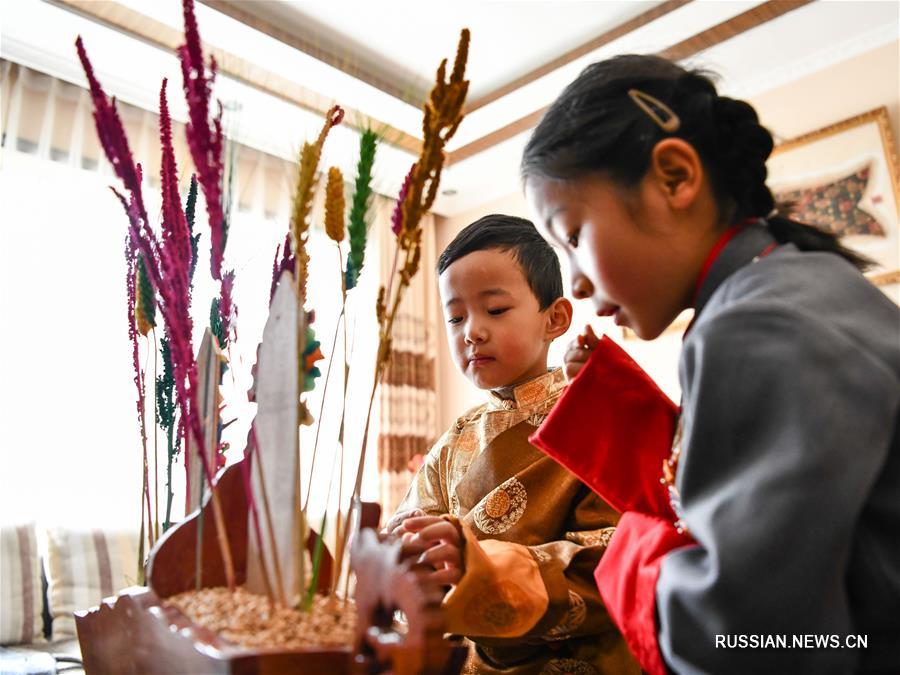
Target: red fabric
pixel 613 427
pixel 727 236
pixel 627 575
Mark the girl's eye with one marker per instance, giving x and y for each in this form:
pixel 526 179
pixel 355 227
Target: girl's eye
pixel 573 239
pixel 497 312
pixel 454 320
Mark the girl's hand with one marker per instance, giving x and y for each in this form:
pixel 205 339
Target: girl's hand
pixel 438 543
pixel 580 350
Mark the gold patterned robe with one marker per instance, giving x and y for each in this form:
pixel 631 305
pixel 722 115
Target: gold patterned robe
pixel 533 537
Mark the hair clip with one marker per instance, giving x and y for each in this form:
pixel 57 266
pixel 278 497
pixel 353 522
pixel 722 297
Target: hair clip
pixel 646 102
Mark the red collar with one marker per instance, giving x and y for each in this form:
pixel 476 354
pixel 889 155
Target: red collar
pixel 714 254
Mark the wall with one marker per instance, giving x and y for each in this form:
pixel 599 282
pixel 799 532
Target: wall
pixel 855 86
pixel 846 89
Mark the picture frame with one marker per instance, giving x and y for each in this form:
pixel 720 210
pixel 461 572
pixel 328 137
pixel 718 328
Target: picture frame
pixel 844 178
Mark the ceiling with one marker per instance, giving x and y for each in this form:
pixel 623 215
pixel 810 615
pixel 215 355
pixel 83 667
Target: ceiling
pixel 286 62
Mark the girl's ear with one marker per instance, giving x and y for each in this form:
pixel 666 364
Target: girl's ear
pixel 677 170
pixel 559 318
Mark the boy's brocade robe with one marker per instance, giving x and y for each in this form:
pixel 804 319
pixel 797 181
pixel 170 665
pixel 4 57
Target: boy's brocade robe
pixel 533 537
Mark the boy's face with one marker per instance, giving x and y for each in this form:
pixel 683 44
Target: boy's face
pixel 497 333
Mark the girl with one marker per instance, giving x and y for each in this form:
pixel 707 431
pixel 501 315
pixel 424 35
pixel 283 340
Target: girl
pixel 773 520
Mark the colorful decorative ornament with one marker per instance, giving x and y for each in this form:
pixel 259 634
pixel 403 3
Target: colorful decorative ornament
pixel 312 353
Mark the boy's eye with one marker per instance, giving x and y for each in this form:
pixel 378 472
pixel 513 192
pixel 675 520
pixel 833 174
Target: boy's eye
pixel 498 311
pixel 454 319
pixel 573 239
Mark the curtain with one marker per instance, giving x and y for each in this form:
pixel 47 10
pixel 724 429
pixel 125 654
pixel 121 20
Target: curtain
pixel 408 405
pixel 52 119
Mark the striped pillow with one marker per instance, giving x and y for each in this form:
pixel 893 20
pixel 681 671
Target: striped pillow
pixel 83 567
pixel 20 585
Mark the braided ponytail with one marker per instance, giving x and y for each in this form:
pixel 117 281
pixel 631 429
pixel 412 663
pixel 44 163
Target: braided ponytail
pixel 745 146
pixel 595 127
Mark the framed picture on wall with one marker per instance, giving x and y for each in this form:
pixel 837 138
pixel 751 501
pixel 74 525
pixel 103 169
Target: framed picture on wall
pixel 844 178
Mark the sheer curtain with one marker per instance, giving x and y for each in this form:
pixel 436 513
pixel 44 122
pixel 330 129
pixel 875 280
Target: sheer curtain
pixel 71 446
pixel 52 120
pixel 408 391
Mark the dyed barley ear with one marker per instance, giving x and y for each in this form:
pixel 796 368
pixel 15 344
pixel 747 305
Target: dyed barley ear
pixel 145 299
pixel 303 196
pixel 357 227
pixel 334 205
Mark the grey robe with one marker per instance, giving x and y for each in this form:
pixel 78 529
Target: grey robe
pixel 790 472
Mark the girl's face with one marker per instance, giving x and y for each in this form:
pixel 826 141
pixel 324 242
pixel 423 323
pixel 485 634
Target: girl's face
pixel 627 251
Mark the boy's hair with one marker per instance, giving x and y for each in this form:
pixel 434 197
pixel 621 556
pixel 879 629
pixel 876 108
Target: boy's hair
pixel 518 235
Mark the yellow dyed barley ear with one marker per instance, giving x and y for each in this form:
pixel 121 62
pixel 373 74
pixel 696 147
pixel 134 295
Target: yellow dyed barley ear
pixel 334 205
pixel 143 322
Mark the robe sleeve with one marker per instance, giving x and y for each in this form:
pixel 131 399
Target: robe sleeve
pixel 613 428
pixel 541 593
pixel 789 427
pixel 567 570
pixel 428 490
pixel 627 576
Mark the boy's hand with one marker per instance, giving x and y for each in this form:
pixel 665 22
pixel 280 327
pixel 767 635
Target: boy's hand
pixel 395 524
pixel 580 350
pixel 438 543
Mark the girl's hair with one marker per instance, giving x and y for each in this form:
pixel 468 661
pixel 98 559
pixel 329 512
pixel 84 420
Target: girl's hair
pixel 609 119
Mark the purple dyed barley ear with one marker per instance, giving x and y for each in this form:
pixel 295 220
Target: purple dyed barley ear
pixel 112 134
pixel 176 233
pixel 397 215
pixel 226 305
pixel 204 133
pixel 279 266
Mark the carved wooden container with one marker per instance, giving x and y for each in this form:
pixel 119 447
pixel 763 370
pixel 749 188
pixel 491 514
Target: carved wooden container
pixel 134 633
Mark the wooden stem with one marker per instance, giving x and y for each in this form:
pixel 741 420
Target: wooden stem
pixel 321 411
pixel 140 560
pixel 155 441
pixel 170 495
pixel 213 376
pixel 276 562
pixel 316 563
pixel 299 558
pixel 198 551
pixel 380 366
pixel 146 477
pixel 339 542
pixel 254 514
pixel 222 536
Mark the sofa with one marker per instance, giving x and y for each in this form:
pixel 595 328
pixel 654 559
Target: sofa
pixel 48 573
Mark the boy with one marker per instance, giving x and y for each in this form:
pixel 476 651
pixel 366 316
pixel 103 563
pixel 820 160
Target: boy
pixel 517 534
